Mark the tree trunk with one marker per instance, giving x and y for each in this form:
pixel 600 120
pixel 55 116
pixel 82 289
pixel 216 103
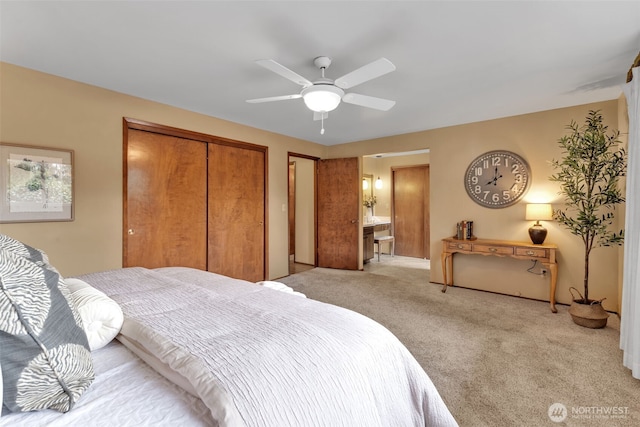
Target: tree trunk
pixel 586 276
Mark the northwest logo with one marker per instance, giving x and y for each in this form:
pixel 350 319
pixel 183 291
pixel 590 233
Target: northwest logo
pixel 557 412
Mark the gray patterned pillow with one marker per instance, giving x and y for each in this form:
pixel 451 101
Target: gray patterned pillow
pixel 45 358
pixel 16 246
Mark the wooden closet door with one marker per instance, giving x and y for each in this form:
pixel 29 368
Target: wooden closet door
pixel 165 202
pixel 237 194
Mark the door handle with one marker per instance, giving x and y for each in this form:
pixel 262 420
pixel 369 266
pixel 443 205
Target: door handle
pixel 354 221
pixel 130 232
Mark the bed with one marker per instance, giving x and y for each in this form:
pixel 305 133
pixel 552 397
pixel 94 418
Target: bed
pixel 198 348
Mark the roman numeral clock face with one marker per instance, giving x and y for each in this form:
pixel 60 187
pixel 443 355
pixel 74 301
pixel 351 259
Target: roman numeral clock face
pixel 497 179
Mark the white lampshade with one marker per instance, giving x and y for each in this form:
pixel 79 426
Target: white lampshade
pixel 539 212
pixel 378 183
pixel 322 98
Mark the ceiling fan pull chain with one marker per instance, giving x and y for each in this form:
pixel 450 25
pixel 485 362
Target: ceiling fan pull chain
pixel 322 125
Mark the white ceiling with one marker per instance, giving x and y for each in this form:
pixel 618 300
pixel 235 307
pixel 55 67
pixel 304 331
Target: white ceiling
pixel 457 61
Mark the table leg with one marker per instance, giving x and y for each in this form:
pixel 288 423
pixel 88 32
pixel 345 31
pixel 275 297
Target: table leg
pixel 553 271
pixel 447 261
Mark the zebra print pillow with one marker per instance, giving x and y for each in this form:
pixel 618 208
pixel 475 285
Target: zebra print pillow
pixel 12 245
pixel 45 358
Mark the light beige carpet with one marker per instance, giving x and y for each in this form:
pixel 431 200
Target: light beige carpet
pixel 496 360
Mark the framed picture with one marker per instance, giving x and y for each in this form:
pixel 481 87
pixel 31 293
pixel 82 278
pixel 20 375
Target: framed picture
pixel 36 184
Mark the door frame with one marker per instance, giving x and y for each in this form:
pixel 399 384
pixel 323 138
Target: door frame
pixel 315 160
pixel 291 200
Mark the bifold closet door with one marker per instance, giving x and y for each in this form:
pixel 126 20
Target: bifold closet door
pixel 165 210
pixel 237 200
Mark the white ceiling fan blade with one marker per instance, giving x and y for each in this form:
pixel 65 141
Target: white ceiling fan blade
pixel 320 115
pixel 365 73
pixel 368 101
pixel 274 98
pixel 272 65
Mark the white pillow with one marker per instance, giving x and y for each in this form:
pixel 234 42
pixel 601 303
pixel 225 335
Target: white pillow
pixel 101 316
pixel 278 286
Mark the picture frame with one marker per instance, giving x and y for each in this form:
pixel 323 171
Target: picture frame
pixel 36 184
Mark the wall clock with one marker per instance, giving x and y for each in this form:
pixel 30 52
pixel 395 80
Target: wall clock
pixel 497 179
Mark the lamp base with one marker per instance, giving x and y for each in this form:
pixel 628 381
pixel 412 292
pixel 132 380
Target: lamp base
pixel 537 233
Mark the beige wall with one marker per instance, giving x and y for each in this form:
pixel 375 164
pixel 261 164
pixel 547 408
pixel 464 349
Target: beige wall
pixel 44 110
pixel 534 136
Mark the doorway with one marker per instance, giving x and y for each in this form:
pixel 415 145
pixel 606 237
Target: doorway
pixel 382 166
pixel 302 212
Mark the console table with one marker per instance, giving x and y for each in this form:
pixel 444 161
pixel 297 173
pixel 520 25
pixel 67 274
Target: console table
pixel 545 254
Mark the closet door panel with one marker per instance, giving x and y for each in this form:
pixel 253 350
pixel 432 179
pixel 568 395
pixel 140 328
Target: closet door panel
pixel 236 219
pixel 165 202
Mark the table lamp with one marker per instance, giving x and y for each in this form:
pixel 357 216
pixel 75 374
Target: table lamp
pixel 538 212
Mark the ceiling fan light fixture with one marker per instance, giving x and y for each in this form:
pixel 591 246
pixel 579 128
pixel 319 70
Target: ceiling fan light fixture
pixel 322 98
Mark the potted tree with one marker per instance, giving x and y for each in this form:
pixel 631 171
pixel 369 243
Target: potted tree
pixel 589 175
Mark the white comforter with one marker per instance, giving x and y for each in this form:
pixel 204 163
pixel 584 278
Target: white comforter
pixel 259 357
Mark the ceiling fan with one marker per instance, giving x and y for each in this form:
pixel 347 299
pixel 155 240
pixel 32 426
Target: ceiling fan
pixel 324 95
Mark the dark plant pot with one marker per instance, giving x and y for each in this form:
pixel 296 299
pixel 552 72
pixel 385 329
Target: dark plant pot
pixel 590 315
